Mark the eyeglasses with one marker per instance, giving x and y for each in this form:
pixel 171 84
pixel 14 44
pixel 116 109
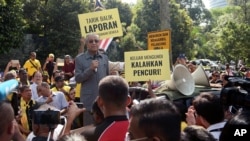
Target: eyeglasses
pixel 92 41
pixel 128 138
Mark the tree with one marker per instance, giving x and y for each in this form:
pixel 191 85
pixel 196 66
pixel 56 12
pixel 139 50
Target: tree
pixel 33 14
pixel 228 39
pixel 245 8
pixel 164 16
pixel 11 25
pixel 128 42
pixel 56 23
pixel 196 10
pixel 124 9
pixel 181 31
pixel 2 2
pixel 118 45
pixel 234 39
pixel 148 19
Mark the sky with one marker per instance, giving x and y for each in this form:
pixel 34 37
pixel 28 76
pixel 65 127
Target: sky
pixel 205 3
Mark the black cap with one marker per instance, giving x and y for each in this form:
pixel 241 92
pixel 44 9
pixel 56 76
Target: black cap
pixel 59 78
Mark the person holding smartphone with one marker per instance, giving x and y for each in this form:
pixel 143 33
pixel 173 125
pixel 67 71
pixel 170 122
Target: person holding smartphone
pixel 12 65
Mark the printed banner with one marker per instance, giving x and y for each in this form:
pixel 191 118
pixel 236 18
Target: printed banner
pixel 145 65
pixel 159 40
pixel 106 23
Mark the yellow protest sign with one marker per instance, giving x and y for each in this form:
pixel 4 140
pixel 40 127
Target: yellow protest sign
pixel 159 40
pixel 106 23
pixel 145 65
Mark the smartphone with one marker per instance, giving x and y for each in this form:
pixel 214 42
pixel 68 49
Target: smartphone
pixel 182 56
pixel 14 63
pixel 79 104
pixel 60 62
pixel 79 119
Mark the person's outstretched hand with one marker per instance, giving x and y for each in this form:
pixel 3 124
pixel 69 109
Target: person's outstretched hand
pixel 73 111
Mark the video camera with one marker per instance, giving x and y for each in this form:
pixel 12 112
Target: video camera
pixel 236 92
pixel 48 117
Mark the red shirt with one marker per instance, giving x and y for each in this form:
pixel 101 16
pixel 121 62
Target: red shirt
pixel 116 131
pixel 113 128
pixel 68 67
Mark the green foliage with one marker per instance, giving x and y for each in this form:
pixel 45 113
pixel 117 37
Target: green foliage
pixel 2 3
pixel 234 40
pixel 57 24
pixel 33 13
pixel 196 10
pixel 221 15
pixel 181 25
pixel 62 26
pixel 245 8
pixel 128 42
pixel 147 19
pixel 11 25
pixel 55 27
pixel 125 12
pixel 228 38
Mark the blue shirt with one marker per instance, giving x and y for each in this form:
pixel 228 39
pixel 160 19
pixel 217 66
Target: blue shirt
pixel 59 100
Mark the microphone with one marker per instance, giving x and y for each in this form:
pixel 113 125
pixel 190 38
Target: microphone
pixel 95 58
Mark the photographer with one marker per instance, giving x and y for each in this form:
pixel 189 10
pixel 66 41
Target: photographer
pixel 240 121
pixel 45 124
pixel 12 65
pixel 235 94
pixel 207 111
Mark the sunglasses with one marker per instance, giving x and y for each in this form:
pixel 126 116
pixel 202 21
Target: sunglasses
pixel 92 41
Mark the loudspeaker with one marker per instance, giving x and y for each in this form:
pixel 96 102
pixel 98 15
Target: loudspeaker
pixel 6 87
pixel 181 80
pixel 200 77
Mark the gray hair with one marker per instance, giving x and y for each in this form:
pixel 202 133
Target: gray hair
pixel 91 34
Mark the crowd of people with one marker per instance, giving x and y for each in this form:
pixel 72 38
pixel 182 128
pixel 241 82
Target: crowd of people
pixel 47 106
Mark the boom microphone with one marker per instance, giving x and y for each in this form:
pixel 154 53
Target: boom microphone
pixel 6 87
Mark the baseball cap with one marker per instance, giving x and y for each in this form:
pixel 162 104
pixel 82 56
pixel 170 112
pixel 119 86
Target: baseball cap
pixel 59 78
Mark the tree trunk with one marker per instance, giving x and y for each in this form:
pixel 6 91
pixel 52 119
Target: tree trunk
pixel 165 14
pixel 165 24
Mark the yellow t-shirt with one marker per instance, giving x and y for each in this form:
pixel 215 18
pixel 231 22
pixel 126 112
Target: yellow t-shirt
pixel 78 90
pixel 24 118
pixel 183 125
pixel 66 88
pixel 31 68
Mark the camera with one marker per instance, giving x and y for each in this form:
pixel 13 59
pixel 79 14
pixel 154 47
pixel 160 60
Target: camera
pixel 236 93
pixel 48 117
